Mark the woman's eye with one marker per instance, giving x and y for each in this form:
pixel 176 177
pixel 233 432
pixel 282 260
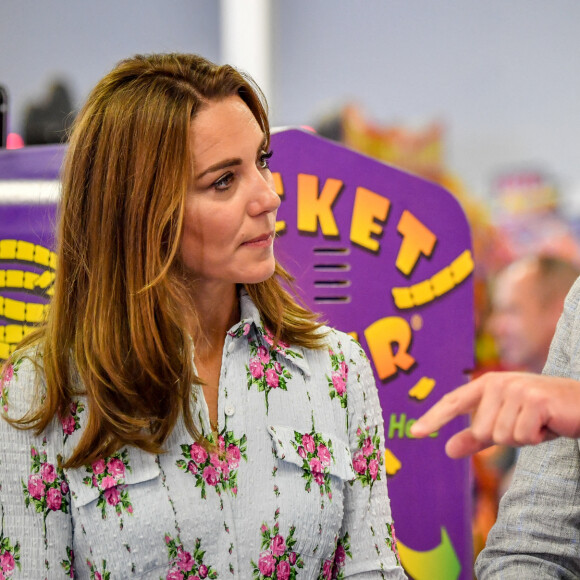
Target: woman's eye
pixel 264 159
pixel 223 182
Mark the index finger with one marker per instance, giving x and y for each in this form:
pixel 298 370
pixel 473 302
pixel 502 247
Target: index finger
pixel 457 402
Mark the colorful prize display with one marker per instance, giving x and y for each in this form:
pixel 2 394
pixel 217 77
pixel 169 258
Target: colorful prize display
pixel 382 254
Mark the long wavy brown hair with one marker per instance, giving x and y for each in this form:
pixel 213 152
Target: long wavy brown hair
pixel 116 331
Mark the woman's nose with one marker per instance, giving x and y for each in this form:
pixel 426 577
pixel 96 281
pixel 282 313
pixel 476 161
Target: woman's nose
pixel 264 197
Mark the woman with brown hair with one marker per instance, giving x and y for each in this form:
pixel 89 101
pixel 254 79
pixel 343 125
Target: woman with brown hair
pixel 179 415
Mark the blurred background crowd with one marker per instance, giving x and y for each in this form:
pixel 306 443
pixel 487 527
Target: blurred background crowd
pixel 481 98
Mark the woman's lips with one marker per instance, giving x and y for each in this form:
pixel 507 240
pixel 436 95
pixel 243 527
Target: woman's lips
pixel 260 241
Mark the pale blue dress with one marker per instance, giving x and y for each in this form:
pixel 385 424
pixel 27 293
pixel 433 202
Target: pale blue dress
pixel 295 489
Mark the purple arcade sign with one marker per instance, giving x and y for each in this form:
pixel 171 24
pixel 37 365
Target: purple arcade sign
pixel 382 254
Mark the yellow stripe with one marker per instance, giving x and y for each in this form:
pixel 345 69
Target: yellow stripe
pixel 31 281
pixel 27 252
pixel 440 283
pixel 22 311
pixel 14 333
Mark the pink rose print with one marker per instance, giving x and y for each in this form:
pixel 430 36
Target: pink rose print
pixel 315 465
pixel 368 447
pixel 210 475
pixel 99 467
pixel 8 373
pixel 44 489
pixel 53 499
pixel 277 545
pixel 324 455
pixel 272 378
pixel 316 454
pixel 8 563
pixel 218 468
pixel 68 563
pixel 333 568
pixel 391 541
pixel 256 368
pixel 265 371
pixel 108 476
pixel 198 453
pixel 308 442
pixel 104 574
pixel 340 555
pixel 68 425
pixel 278 560
pixel 368 458
pixel 319 479
pixel 266 564
pixel 116 467
pixel 283 570
pixel 108 481
pixel 71 422
pixel 373 469
pixel 263 354
pixel 186 564
pixel 36 486
pixel 225 469
pixel 185 561
pixel 282 346
pixel 338 377
pixel 246 330
pixel 359 462
pixel 338 383
pixel 214 460
pixel 233 456
pixel 326 570
pixel 112 496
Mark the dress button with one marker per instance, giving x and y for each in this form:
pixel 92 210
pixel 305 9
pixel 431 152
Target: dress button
pixel 230 410
pixel 231 346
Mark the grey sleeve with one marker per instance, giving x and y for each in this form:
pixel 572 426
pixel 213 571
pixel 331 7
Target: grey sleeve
pixel 537 533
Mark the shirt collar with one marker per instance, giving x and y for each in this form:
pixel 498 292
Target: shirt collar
pixel 252 326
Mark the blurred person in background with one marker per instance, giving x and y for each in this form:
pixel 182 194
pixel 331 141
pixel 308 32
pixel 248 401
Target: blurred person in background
pixel 527 298
pixel 527 301
pixel 49 119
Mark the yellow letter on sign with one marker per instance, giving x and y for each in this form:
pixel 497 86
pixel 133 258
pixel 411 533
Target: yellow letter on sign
pixel 368 207
pixel 313 208
pixel 417 239
pixel 381 336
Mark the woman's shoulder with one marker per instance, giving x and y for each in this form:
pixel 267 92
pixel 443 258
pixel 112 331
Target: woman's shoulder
pixel 21 383
pixel 337 340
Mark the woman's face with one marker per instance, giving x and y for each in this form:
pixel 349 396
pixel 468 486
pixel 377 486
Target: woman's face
pixel 230 209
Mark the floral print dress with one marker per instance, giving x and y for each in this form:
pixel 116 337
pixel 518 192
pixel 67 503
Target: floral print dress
pixel 292 487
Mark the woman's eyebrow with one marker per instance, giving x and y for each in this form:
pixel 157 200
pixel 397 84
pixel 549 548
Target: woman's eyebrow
pixel 220 166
